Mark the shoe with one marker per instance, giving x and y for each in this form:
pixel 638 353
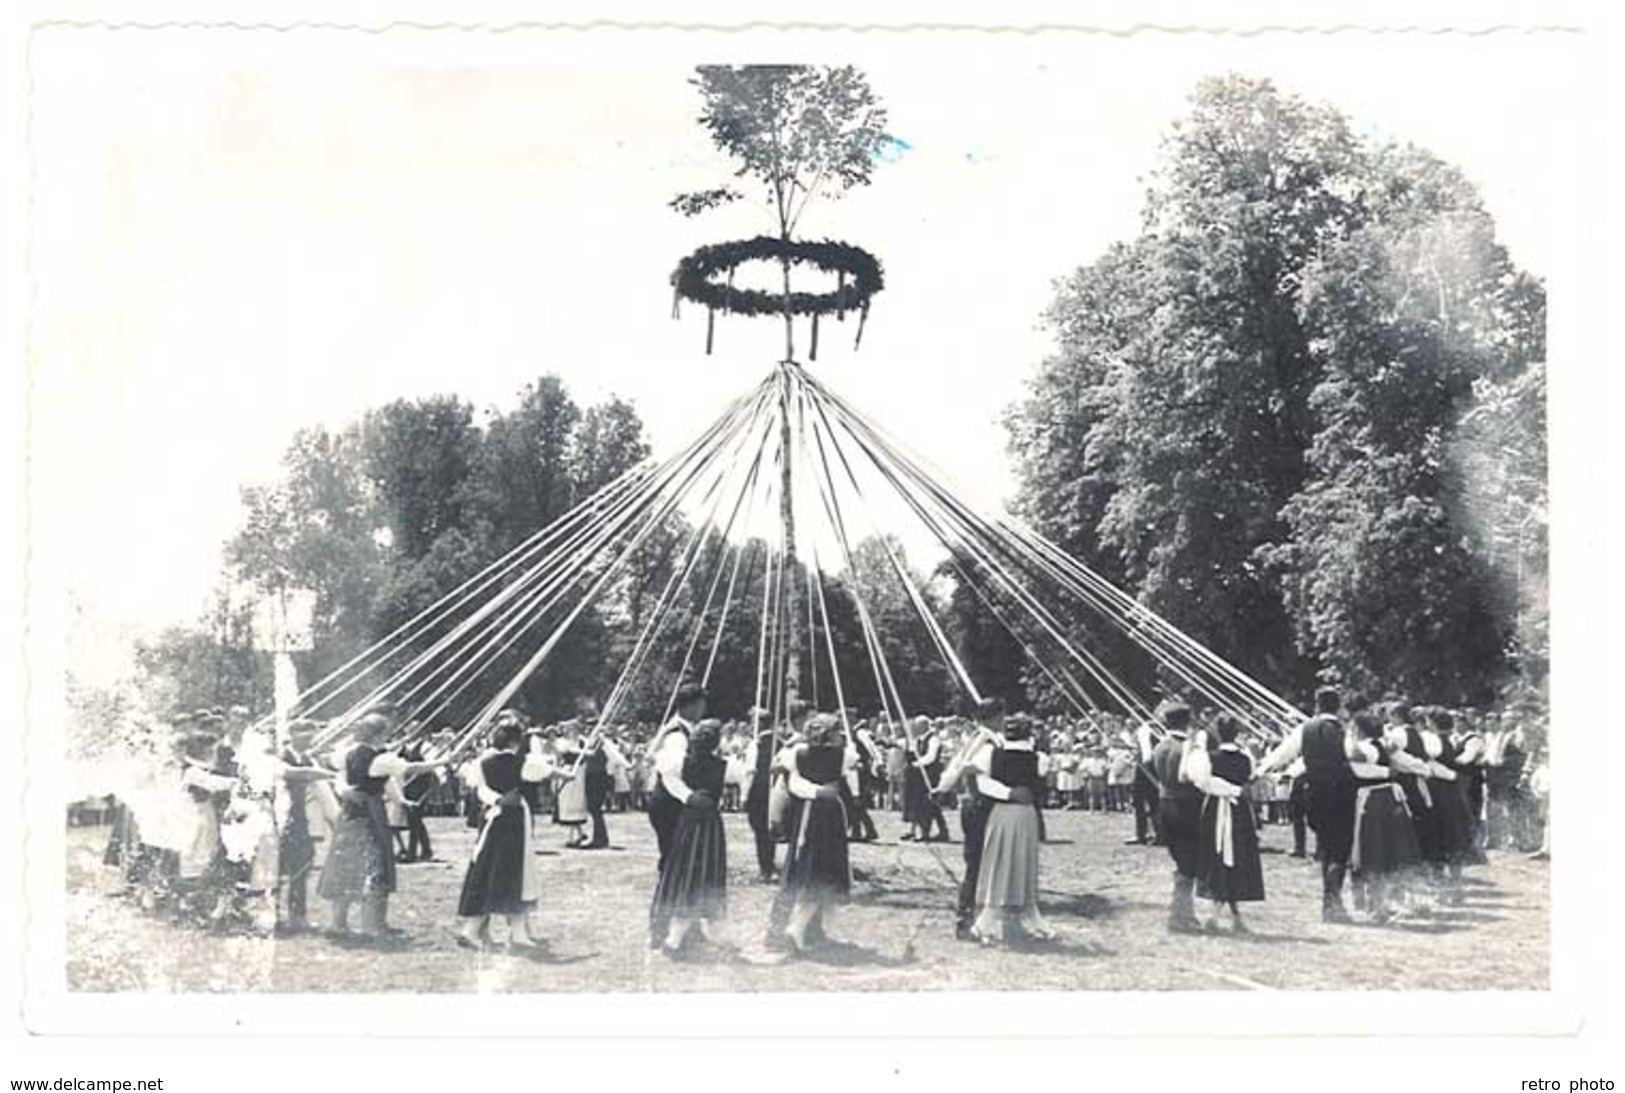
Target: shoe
pixel 963 932
pixel 1179 925
pixel 1133 842
pixel 472 946
pixel 1240 927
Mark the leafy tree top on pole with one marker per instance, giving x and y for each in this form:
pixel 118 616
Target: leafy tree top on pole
pixel 800 132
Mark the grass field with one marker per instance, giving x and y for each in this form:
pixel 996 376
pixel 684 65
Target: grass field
pixel 1107 901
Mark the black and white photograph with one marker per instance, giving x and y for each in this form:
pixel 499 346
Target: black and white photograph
pixel 624 512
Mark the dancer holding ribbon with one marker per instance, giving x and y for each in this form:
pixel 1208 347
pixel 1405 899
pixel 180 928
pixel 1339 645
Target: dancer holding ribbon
pixel 502 875
pixel 1229 869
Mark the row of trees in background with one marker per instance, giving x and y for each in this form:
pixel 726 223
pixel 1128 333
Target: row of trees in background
pixel 383 518
pixel 1301 413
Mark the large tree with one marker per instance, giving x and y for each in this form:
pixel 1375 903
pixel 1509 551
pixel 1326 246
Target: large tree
pixel 1247 417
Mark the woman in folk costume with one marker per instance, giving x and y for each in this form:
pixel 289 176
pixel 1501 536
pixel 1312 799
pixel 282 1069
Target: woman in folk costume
pixel 1452 828
pixel 1229 870
pixel 360 864
pixel 818 870
pixel 924 758
pixel 692 891
pixel 502 875
pixel 571 791
pixel 1384 838
pixel 1007 880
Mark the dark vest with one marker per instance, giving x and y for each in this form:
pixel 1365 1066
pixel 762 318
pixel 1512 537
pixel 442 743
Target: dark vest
pixel 1234 767
pixel 1015 768
pixel 501 772
pixel 1324 759
pixel 356 765
pixel 821 764
pixel 705 773
pixel 1414 744
pixel 1165 761
pixel 1381 761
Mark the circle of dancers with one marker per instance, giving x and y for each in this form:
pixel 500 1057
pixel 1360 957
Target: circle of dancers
pixel 216 825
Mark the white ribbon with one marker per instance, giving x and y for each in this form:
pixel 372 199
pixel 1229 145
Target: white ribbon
pixel 1224 831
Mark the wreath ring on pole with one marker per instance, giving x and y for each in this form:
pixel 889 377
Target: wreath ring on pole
pixel 706 278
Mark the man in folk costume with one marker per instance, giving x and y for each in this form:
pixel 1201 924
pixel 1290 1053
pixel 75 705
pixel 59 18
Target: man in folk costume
pixel 296 844
pixel 416 792
pixel 861 825
pixel 1179 811
pixel 1470 756
pixel 974 756
pixel 1326 747
pixel 1144 794
pixel 926 769
pixel 669 750
pixel 759 761
pixel 1297 807
pixel 603 758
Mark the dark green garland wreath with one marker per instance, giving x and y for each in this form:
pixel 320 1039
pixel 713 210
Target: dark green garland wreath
pixel 706 278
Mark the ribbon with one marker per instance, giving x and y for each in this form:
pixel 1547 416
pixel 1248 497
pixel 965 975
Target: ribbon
pixel 1224 831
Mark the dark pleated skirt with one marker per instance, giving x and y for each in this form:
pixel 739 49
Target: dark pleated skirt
pixel 361 862
pixel 1452 824
pixel 694 883
pixel 1385 840
pixel 1243 880
pixel 916 799
pixel 819 862
pixel 1423 821
pixel 1008 878
pixel 495 880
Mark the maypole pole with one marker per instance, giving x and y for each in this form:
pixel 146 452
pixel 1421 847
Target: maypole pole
pixel 787 523
pixel 797 131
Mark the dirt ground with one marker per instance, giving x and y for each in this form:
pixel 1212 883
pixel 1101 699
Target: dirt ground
pixel 1107 901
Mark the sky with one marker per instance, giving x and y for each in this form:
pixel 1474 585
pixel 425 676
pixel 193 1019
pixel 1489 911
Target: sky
pixel 237 235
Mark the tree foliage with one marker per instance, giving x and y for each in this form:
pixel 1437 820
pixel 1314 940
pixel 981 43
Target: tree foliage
pixel 1249 417
pixel 796 130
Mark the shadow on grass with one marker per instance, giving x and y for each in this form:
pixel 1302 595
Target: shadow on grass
pixel 542 953
pixel 1254 936
pixel 847 954
pixel 1434 928
pixel 1060 948
pixel 1453 914
pixel 1089 905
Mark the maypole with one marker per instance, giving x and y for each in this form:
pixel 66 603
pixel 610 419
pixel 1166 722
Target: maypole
pixel 787 524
